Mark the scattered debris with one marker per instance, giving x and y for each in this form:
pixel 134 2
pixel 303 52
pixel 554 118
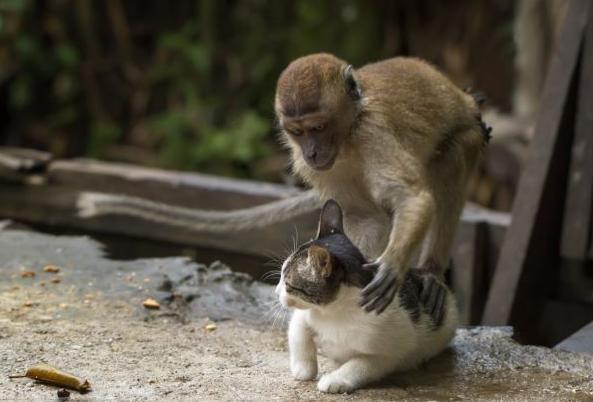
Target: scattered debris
pixel 51 268
pixel 151 304
pixel 42 283
pixel 28 303
pixel 210 327
pixel 63 393
pixel 27 274
pixel 48 374
pixel 56 280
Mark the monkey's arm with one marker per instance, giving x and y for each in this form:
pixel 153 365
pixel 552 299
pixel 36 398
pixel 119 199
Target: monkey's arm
pixel 410 226
pixel 97 204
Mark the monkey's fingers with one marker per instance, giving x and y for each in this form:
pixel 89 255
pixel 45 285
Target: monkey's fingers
pixel 372 267
pixel 387 299
pixel 381 291
pixel 376 299
pixel 377 282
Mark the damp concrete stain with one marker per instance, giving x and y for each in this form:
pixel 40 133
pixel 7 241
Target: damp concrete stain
pixel 92 323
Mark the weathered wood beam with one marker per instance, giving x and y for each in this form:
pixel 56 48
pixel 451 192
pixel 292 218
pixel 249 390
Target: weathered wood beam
pixel 470 268
pixel 576 229
pixel 50 198
pixel 192 190
pixel 530 250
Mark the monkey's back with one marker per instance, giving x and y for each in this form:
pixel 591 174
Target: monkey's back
pixel 415 97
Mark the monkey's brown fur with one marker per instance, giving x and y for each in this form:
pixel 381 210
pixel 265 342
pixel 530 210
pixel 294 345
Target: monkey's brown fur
pixel 397 160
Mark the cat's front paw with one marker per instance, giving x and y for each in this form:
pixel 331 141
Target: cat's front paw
pixel 304 370
pixel 334 384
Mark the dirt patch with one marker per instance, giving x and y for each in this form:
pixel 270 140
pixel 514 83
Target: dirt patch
pixel 92 323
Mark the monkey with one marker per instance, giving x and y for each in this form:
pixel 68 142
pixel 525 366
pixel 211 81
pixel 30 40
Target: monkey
pixel 394 142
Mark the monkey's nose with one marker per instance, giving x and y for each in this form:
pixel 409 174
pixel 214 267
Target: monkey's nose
pixel 312 155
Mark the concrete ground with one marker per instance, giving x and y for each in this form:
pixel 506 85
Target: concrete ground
pixel 88 319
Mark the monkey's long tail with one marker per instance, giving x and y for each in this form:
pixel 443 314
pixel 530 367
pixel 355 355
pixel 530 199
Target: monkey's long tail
pixel 96 204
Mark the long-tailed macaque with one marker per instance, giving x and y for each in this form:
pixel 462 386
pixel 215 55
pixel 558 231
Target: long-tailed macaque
pixel 394 143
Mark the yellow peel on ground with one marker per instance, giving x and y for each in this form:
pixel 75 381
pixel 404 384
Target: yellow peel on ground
pixel 51 375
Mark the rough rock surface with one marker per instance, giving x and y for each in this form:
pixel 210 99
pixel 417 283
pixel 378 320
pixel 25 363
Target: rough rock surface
pixel 92 323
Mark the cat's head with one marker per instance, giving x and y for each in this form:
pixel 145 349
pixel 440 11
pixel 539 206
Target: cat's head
pixel 313 274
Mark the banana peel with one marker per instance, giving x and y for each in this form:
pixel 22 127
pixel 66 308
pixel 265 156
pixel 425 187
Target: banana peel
pixel 51 375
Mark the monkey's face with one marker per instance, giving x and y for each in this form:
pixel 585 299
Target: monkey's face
pixel 316 104
pixel 317 138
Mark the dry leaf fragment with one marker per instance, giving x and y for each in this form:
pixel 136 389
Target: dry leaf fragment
pixel 51 268
pixel 28 303
pixel 151 303
pixel 211 327
pixel 48 374
pixel 27 274
pixel 56 280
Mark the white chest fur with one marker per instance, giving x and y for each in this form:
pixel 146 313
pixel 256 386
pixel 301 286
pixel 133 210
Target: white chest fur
pixel 366 346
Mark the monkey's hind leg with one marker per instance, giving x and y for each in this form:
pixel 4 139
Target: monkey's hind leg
pixel 450 174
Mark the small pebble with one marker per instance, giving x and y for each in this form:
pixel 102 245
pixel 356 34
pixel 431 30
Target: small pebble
pixel 63 393
pixel 51 268
pixel 151 304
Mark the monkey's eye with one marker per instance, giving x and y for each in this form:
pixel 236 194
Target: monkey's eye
pixel 296 132
pixel 319 127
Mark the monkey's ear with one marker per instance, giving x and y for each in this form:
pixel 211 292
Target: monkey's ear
pixel 352 86
pixel 330 220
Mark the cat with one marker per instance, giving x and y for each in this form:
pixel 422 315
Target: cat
pixel 322 281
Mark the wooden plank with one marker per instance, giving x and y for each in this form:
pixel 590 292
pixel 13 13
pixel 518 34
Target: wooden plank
pixel 192 190
pixel 579 342
pixel 17 163
pixel 531 243
pixel 579 206
pixel 23 159
pixel 469 271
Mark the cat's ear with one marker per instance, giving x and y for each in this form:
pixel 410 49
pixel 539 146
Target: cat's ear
pixel 330 220
pixel 320 260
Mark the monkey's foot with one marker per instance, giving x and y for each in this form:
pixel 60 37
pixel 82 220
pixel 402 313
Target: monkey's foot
pixel 379 293
pixel 433 297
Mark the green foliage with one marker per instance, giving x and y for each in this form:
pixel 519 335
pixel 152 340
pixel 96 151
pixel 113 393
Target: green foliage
pixel 193 88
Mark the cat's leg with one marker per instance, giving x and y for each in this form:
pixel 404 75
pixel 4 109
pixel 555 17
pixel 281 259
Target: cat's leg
pixel 302 349
pixel 356 373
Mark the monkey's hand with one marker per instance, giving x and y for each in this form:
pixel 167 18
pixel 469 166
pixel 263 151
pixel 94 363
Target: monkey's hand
pixel 379 293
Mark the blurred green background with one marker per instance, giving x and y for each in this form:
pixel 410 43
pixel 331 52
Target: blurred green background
pixel 189 84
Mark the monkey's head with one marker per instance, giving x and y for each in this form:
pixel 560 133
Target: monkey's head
pixel 317 103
